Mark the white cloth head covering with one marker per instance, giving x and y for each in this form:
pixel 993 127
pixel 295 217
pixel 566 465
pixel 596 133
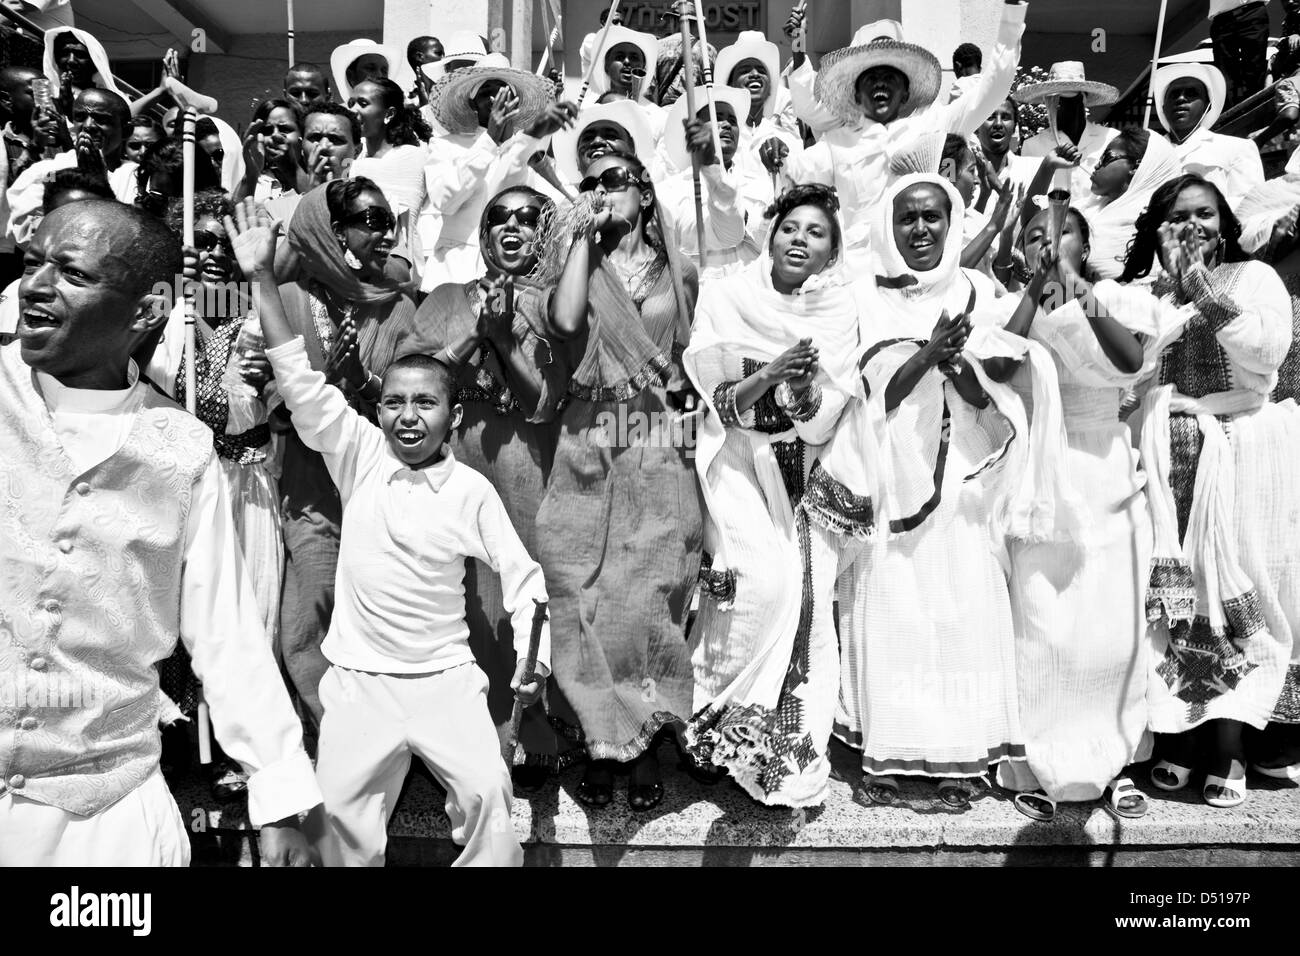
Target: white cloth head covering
pixel 1111 226
pixel 1215 85
pixel 103 72
pixel 751 45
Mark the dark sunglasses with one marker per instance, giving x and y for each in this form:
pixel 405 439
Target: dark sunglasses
pixel 615 179
pixel 375 218
pixel 1108 158
pixel 206 241
pixel 524 215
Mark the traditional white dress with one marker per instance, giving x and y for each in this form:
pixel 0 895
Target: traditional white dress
pixel 928 681
pixel 763 648
pixel 1079 605
pixel 1221 460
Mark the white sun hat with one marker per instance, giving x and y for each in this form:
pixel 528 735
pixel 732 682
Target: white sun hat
pixel 751 45
pixel 675 132
pixel 648 45
pixel 347 54
pixel 622 113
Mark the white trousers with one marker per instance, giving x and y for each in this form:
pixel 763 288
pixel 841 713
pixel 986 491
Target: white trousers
pixel 373 724
pixel 144 828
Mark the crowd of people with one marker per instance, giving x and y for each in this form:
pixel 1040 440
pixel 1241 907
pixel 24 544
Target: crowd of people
pixel 832 410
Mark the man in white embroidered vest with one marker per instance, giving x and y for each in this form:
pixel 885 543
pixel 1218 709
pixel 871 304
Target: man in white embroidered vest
pixel 116 538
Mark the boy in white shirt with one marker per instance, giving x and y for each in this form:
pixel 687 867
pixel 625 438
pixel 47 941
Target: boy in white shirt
pixel 402 679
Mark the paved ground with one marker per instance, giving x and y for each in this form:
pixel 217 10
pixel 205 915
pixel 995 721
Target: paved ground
pixel 701 825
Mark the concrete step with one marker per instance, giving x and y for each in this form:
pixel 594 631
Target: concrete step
pixel 720 825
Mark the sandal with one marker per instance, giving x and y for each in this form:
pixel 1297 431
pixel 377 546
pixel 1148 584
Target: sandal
pixel 642 796
pixel 882 790
pixel 953 794
pixel 227 782
pixel 707 774
pixel 1036 805
pixel 1119 790
pixel 1224 792
pixel 597 786
pixel 1169 776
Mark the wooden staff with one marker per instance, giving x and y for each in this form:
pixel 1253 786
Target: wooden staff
pixel 597 56
pixel 1155 65
pixel 292 61
pixel 688 76
pixel 708 81
pixel 546 54
pixel 530 675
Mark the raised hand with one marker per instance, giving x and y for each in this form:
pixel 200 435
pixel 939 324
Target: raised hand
pixel 554 118
pixel 1172 251
pixel 773 153
pixel 496 314
pixel 699 140
pixel 794 23
pixel 505 107
pixel 344 362
pixel 1065 156
pixel 947 340
pixel 254 150
pixel 796 365
pixel 253 234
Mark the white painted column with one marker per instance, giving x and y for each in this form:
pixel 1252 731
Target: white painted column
pixel 406 19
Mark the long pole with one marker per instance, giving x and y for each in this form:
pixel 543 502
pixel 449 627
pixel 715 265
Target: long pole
pixel 530 674
pixel 187 231
pixel 708 82
pixel 688 76
pixel 598 54
pixel 292 59
pixel 1155 64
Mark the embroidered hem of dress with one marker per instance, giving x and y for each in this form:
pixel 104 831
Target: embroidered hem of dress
pixel 718 585
pixel 1287 710
pixel 619 753
pixel 657 369
pixel 977 767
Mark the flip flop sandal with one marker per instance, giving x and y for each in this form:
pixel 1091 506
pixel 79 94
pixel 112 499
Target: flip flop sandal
pixel 644 796
pixel 1118 790
pixel 1179 773
pixel 1231 791
pixel 1291 772
pixel 953 795
pixel 1036 805
pixel 883 791
pixel 596 794
pixel 227 784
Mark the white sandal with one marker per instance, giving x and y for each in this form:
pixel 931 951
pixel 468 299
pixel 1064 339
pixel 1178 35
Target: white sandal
pixel 1180 774
pixel 1119 789
pixel 1233 785
pixel 1036 805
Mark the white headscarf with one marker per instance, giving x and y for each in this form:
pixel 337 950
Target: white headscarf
pixel 1111 226
pixel 103 72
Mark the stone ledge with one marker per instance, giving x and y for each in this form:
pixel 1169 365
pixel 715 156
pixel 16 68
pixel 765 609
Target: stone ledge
pixel 724 822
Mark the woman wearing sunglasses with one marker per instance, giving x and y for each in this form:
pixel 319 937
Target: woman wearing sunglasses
pixel 353 317
pixel 619 530
pixel 159 177
pixel 231 375
pixel 510 381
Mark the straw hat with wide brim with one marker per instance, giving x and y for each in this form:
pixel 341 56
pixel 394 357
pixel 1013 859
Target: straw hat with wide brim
pixel 837 80
pixel 1067 78
pixel 347 54
pixel 622 113
pixel 1210 76
pixel 451 96
pixel 751 45
pixel 675 132
pixel 648 45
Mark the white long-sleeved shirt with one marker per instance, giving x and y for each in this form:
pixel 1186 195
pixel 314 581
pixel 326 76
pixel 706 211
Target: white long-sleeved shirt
pixel 399 597
pixel 724 219
pixel 219 621
pixel 26 194
pixel 1232 163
